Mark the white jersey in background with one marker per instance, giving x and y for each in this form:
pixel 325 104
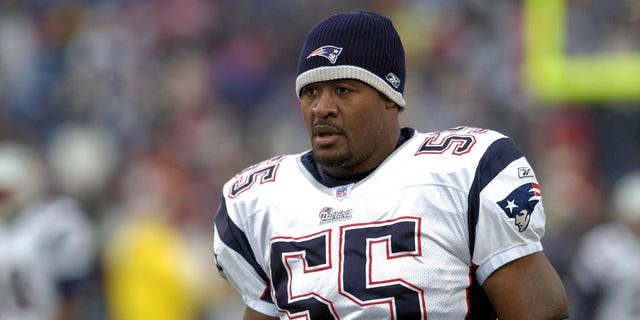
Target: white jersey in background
pixel 412 240
pixel 606 273
pixel 46 244
pixel 26 291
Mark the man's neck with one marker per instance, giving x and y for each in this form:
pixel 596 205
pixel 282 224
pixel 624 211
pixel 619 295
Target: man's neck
pixel 330 180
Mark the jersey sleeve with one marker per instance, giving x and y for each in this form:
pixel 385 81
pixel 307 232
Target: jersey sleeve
pixel 506 207
pixel 237 263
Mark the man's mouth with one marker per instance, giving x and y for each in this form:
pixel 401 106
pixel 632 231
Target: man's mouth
pixel 324 134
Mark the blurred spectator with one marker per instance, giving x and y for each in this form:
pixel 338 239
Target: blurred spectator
pixel 606 282
pixel 150 270
pixel 82 160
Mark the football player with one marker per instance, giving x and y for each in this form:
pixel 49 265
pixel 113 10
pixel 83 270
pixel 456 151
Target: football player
pixel 377 221
pixel 46 245
pixel 605 267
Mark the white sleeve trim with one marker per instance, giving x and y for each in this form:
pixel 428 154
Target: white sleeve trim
pixel 497 261
pixel 260 306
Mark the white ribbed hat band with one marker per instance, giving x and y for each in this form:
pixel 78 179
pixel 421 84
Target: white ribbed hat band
pixel 348 72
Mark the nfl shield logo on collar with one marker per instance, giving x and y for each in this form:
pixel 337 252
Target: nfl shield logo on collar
pixel 341 192
pixel 329 52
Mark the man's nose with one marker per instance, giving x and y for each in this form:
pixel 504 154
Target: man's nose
pixel 325 104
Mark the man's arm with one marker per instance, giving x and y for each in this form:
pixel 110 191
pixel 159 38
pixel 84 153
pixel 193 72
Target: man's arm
pixel 250 314
pixel 527 289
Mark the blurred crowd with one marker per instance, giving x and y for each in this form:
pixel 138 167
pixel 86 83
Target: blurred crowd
pixel 120 121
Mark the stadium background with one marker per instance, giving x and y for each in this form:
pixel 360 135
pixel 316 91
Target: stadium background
pixel 142 109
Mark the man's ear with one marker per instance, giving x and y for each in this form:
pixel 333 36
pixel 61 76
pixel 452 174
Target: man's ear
pixel 389 104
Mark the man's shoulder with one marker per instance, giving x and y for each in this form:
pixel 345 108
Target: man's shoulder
pixel 460 133
pixel 262 175
pixel 458 143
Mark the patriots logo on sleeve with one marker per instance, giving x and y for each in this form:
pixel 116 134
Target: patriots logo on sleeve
pixel 519 204
pixel 329 52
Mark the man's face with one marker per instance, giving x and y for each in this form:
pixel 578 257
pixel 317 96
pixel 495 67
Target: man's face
pixel 345 120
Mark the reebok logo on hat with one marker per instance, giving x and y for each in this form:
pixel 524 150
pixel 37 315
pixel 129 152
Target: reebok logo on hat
pixel 393 79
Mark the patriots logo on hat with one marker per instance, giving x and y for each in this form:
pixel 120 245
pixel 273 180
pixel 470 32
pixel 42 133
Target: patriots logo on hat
pixel 329 52
pixel 519 204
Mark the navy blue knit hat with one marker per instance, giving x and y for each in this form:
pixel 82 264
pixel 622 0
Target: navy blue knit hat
pixel 354 45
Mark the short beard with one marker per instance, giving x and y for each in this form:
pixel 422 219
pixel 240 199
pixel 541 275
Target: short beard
pixel 345 161
pixel 340 161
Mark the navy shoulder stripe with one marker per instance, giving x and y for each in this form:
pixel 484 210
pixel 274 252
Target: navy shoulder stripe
pixel 497 157
pixel 235 239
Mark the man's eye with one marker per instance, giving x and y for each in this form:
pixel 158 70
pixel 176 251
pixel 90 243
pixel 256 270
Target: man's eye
pixel 342 90
pixel 309 91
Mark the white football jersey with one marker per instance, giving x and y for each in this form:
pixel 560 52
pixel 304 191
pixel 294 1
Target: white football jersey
pixel 412 240
pixel 26 290
pixel 605 272
pixel 46 244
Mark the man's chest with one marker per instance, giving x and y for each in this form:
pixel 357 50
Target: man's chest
pixel 404 249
